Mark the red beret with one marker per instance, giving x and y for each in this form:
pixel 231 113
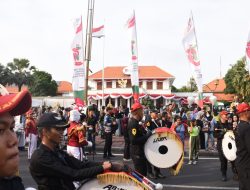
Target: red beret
pixel 223 113
pixel 15 104
pixel 136 106
pixel 243 107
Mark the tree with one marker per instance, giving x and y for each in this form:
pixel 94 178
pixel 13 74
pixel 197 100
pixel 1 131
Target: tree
pixel 237 80
pixel 190 87
pixel 42 84
pixel 20 72
pixel 4 75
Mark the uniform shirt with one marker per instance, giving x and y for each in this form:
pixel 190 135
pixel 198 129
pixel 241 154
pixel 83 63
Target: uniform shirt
pixel 243 145
pixel 13 183
pixel 76 137
pixel 137 137
pixel 223 127
pixel 54 170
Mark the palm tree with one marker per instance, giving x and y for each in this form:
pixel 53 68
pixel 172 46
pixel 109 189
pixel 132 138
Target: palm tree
pixel 20 72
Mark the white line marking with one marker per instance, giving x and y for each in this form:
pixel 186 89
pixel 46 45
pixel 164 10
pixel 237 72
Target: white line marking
pixel 200 187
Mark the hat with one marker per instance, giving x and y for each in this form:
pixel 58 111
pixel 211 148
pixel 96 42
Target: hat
pixel 136 106
pixel 15 104
pixel 243 107
pixel 223 112
pixel 51 120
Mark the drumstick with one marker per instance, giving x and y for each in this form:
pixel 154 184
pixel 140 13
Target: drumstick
pixel 141 180
pixel 156 186
pixel 155 123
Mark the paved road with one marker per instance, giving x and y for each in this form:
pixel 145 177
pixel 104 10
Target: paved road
pixel 204 175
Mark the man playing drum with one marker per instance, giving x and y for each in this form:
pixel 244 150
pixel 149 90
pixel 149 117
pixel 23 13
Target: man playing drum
pixel 243 146
pixel 138 136
pixel 221 128
pixel 54 169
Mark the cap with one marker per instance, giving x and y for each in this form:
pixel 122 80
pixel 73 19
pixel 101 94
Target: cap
pixel 15 104
pixel 223 112
pixel 51 120
pixel 136 106
pixel 243 107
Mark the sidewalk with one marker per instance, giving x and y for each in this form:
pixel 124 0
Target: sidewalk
pixel 118 146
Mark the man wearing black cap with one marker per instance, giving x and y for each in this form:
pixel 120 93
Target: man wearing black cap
pixel 243 146
pixel 53 169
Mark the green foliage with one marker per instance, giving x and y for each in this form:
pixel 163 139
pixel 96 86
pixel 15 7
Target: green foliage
pixel 237 80
pixel 191 87
pixel 42 84
pixel 20 72
pixel 4 75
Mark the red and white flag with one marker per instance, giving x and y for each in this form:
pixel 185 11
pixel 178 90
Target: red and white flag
pixel 77 47
pixel 98 32
pixel 248 54
pixel 191 48
pixel 131 26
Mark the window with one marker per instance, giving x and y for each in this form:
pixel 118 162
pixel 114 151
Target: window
pixel 109 84
pixel 128 83
pixel 159 85
pixel 99 85
pixel 149 85
pixel 140 84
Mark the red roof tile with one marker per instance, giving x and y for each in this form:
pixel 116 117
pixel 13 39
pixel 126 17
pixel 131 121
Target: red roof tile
pixel 14 89
pixel 224 97
pixel 217 85
pixel 64 86
pixel 144 72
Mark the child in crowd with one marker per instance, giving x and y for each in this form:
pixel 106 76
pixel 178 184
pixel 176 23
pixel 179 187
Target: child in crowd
pixel 194 142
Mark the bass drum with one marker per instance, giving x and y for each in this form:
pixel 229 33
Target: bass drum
pixel 112 180
pixel 229 146
pixel 163 148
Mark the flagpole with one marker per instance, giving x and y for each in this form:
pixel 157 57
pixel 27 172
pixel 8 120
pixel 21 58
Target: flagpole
pixel 88 44
pixel 103 52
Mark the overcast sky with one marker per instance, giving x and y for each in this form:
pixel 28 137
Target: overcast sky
pixel 42 31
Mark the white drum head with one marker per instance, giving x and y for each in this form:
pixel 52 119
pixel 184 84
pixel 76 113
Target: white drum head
pixel 94 184
pixel 228 146
pixel 163 150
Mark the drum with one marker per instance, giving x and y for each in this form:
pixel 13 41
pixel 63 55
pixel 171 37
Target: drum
pixel 164 149
pixel 113 180
pixel 228 146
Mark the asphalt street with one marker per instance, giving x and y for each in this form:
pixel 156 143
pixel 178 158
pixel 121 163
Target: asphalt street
pixel 205 175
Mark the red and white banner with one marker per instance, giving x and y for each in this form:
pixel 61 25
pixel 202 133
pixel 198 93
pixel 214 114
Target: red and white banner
pixel 191 48
pixel 248 53
pixel 131 25
pixel 78 81
pixel 98 32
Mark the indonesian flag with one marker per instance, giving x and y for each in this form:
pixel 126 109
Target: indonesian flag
pixel 78 81
pixel 98 32
pixel 191 48
pixel 131 25
pixel 248 53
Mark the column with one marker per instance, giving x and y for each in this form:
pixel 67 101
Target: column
pixel 116 102
pixel 99 104
pixel 128 103
pixel 155 103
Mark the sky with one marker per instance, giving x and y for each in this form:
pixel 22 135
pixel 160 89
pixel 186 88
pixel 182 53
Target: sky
pixel 42 32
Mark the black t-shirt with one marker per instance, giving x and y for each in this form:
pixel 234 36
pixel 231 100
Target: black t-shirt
pixel 13 183
pixel 243 145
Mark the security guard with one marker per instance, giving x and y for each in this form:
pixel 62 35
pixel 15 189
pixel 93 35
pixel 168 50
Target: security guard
pixel 243 146
pixel 152 123
pixel 220 129
pixel 138 136
pixel 54 169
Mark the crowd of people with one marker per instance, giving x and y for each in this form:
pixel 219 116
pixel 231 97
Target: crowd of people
pixel 53 168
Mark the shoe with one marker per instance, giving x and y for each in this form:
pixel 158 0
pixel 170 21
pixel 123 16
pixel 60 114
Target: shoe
pixel 151 176
pixel 127 160
pixel 111 155
pixel 195 162
pixel 224 178
pixel 190 162
pixel 159 175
